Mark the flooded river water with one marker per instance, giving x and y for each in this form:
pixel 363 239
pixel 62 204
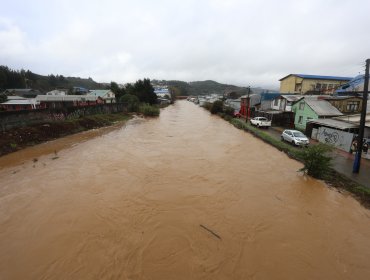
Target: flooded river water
pixel 183 196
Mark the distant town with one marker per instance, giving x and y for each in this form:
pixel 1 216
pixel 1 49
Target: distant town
pixel 319 106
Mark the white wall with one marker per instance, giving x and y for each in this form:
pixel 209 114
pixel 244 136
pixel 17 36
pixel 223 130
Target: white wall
pixel 338 138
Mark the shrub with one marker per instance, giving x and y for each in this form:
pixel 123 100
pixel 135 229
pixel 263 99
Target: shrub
pixel 149 110
pixel 229 111
pixel 217 107
pixel 316 160
pixel 207 106
pixel 132 102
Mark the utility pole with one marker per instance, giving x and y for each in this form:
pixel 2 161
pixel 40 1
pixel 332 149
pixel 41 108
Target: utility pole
pixel 357 162
pixel 248 105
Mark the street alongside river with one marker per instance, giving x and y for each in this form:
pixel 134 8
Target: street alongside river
pixel 182 196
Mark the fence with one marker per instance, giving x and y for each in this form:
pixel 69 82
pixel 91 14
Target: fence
pixel 15 119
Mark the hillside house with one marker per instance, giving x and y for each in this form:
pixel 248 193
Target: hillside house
pixel 346 104
pixel 106 95
pixel 65 101
pixel 58 92
pixel 284 103
pixel 312 108
pixel 17 103
pixel 309 84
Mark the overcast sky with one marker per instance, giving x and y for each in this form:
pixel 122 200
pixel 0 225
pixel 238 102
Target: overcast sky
pixel 243 42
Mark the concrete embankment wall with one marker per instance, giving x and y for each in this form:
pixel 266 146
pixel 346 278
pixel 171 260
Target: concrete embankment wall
pixel 15 119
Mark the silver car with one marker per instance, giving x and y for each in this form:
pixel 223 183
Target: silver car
pixel 295 137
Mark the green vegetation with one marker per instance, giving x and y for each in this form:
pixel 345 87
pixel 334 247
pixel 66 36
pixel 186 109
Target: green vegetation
pixel 118 91
pixel 217 107
pixel 3 98
pixel 13 146
pixel 309 158
pixel 207 106
pixel 26 79
pixel 316 160
pixel 132 102
pixel 144 90
pixel 149 110
pixel 182 88
pixel 282 146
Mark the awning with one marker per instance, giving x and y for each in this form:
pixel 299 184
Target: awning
pixel 334 123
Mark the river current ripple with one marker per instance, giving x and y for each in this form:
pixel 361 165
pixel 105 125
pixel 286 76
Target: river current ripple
pixel 182 196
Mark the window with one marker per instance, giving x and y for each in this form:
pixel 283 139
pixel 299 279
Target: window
pixel 276 102
pixel 324 86
pixel 352 106
pixel 300 119
pixel 301 106
pixel 330 86
pixel 318 86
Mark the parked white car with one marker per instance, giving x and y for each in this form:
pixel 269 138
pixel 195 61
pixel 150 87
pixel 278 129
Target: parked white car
pixel 295 137
pixel 260 122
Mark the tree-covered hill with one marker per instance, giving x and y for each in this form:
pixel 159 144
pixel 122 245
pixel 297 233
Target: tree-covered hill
pixel 204 87
pixel 10 78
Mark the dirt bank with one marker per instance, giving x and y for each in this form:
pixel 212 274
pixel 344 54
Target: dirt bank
pixel 19 138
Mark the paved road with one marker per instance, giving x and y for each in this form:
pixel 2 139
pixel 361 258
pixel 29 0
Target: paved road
pixel 342 161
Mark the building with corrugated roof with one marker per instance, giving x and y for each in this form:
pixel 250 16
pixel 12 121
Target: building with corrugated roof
pixel 23 92
pixel 346 104
pixel 312 108
pixel 309 84
pixel 65 101
pixel 105 94
pixel 19 104
pixel 284 102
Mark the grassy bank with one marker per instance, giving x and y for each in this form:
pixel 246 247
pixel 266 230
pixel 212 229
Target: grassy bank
pixel 332 178
pixel 16 139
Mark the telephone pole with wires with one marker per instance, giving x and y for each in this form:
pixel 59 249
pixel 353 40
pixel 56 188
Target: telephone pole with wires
pixel 357 162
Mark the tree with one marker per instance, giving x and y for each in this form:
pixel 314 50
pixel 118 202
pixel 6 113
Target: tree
pixel 119 92
pixel 316 160
pixel 3 79
pixel 217 107
pixel 174 92
pixel 132 102
pixel 3 98
pixel 52 80
pixel 144 90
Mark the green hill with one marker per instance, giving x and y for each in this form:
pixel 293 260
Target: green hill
pixel 26 79
pixel 205 87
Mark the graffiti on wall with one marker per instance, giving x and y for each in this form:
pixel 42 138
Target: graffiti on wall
pixel 337 138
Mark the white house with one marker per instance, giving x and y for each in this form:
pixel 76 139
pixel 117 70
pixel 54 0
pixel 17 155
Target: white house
pixel 107 95
pixel 284 102
pixel 57 92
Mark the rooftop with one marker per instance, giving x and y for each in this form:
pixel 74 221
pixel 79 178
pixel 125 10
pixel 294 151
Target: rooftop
pixel 61 98
pixel 334 123
pixel 291 97
pixel 99 92
pixel 319 77
pixel 323 108
pixel 21 102
pixel 355 119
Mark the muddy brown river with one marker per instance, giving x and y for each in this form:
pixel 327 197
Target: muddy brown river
pixel 183 196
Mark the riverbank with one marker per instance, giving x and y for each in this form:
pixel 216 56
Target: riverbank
pixel 20 138
pixel 333 178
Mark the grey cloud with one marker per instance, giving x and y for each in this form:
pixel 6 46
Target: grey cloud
pixel 242 42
